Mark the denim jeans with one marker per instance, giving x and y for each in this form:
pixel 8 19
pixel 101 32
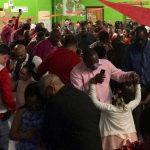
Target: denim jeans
pixel 4 135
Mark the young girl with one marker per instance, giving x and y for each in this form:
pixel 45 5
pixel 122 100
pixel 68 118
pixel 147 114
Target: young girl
pixel 116 123
pixel 28 121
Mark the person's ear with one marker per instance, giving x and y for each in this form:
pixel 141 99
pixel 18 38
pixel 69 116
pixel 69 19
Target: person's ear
pixel 6 58
pixel 50 90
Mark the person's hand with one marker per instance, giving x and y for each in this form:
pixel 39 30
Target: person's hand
pixel 134 77
pixel 99 78
pixel 30 134
pixel 19 13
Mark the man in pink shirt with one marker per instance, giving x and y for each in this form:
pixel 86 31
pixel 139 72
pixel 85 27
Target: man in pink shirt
pixel 90 67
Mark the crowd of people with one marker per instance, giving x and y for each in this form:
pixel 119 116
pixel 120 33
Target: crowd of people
pixel 83 86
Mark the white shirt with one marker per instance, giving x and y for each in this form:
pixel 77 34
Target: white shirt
pixel 114 120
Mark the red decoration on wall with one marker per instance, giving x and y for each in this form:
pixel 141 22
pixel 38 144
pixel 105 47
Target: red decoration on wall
pixel 139 14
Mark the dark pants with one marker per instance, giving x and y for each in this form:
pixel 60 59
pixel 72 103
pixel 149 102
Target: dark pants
pixel 145 90
pixel 4 135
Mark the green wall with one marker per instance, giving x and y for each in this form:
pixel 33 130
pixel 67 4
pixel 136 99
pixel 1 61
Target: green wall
pixel 110 15
pixel 33 7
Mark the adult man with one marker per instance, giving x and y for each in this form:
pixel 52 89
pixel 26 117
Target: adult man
pixel 71 120
pixel 138 58
pixel 19 34
pixel 62 61
pixel 6 32
pixel 6 99
pixel 84 38
pixel 22 58
pixel 91 67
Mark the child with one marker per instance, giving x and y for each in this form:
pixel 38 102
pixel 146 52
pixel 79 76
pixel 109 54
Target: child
pixel 116 123
pixel 26 78
pixel 28 121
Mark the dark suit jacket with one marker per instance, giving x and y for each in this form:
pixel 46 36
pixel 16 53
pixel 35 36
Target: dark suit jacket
pixel 72 121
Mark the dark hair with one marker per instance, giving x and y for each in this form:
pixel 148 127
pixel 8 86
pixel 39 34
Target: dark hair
pixel 4 49
pixel 55 36
pixel 26 26
pixel 69 40
pixel 38 27
pixel 141 29
pixel 145 122
pixel 40 34
pixel 126 94
pixel 103 35
pixel 29 67
pixel 32 90
pixel 89 52
pixel 101 51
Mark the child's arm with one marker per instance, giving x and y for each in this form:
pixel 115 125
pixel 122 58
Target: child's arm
pixel 133 104
pixel 97 103
pixel 15 132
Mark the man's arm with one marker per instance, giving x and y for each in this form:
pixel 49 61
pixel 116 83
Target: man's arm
pixel 6 90
pixel 77 80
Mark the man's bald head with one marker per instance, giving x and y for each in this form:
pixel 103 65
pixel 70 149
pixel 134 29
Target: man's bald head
pixel 50 85
pixel 20 52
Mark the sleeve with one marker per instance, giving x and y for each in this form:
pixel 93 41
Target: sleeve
pixel 97 103
pixel 76 79
pixel 43 67
pixel 117 74
pixel 37 61
pixel 16 23
pixel 133 104
pixel 6 89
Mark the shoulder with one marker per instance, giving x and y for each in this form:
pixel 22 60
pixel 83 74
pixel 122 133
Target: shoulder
pixel 79 67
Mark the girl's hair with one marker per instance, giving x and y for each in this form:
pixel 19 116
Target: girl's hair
pixel 32 90
pixel 123 94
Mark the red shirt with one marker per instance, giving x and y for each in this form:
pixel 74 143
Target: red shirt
pixel 6 33
pixel 6 89
pixel 61 62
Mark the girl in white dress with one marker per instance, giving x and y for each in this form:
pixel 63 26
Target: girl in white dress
pixel 116 123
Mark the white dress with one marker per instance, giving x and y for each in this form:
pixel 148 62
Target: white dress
pixel 116 125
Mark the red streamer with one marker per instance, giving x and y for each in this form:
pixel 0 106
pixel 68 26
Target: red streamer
pixel 139 14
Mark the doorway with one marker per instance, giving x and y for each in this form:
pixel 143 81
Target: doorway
pixel 94 13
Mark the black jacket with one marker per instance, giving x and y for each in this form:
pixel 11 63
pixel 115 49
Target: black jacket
pixel 72 121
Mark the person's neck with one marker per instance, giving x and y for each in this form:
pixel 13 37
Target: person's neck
pixel 70 48
pixel 60 86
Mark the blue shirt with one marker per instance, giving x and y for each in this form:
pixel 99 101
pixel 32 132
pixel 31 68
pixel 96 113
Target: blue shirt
pixel 138 60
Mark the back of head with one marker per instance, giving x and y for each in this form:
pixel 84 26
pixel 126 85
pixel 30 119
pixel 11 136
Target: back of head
pixel 140 29
pixel 40 36
pixel 126 91
pixel 69 40
pixel 55 36
pixel 26 26
pixel 104 36
pixel 33 99
pixel 49 81
pixel 4 49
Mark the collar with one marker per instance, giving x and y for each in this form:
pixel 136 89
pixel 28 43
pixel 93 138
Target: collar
pixel 27 57
pixel 1 67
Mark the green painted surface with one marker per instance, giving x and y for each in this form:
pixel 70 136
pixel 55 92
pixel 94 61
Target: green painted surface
pixel 34 6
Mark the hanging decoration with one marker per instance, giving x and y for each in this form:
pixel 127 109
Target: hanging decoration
pixel 137 13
